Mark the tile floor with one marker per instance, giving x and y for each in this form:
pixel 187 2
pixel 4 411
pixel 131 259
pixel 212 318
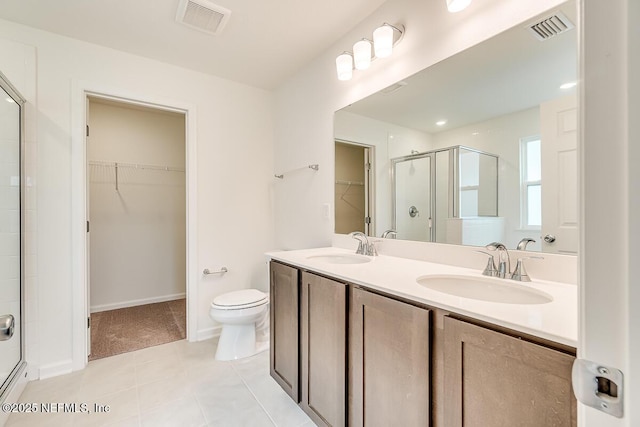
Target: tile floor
pixel 176 384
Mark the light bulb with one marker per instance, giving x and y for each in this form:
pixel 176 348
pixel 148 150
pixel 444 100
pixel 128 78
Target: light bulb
pixel 383 41
pixel 362 54
pixel 344 66
pixel 457 5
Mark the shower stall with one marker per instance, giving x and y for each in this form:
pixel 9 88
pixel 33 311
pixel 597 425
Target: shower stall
pixel 448 195
pixel 12 358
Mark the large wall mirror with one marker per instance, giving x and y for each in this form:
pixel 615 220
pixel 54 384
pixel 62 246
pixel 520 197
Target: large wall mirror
pixel 480 147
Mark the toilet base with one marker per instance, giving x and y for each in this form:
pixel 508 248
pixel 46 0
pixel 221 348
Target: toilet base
pixel 236 342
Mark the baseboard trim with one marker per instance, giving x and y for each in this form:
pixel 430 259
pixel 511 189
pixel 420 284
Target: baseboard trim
pixel 133 303
pixel 205 334
pixel 55 369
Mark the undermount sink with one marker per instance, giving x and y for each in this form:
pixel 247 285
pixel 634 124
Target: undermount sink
pixel 340 258
pixel 485 289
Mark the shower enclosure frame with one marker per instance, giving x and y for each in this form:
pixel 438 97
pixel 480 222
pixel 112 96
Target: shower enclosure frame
pixel 432 174
pixel 19 370
pixel 453 187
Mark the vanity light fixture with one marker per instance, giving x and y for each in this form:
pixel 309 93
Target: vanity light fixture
pixel 344 65
pixel 362 54
pixel 568 85
pixel 385 37
pixel 457 5
pixel 383 40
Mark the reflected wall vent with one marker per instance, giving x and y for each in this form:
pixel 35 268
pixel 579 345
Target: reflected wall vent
pixel 549 27
pixel 203 15
pixel 394 87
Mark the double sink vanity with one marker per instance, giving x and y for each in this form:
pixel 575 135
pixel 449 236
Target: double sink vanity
pixel 382 340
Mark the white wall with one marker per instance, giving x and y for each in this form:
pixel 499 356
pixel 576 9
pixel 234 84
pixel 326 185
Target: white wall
pixel 138 232
pixel 234 137
pixel 305 104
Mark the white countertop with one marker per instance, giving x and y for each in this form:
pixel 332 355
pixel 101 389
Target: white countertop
pixel 556 321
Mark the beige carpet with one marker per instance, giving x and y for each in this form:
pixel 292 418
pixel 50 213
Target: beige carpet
pixel 133 328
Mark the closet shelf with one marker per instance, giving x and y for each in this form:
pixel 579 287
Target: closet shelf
pixel 136 166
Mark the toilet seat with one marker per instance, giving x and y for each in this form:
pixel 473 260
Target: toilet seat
pixel 238 300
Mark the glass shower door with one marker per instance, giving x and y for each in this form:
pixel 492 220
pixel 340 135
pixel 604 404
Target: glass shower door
pixel 412 204
pixel 10 236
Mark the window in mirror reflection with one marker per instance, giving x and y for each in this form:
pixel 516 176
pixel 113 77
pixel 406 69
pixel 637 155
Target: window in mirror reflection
pixel 469 183
pixel 531 175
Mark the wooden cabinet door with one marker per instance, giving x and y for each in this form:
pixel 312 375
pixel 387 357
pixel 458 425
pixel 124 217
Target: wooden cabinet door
pixel 284 333
pixel 388 362
pixel 323 313
pixel 492 379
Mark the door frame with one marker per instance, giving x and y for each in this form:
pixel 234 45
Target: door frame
pixel 79 250
pixel 369 183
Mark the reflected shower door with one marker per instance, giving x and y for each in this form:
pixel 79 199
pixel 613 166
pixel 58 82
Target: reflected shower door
pixel 413 198
pixel 10 241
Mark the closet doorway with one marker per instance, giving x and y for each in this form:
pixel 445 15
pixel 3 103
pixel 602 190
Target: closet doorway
pixel 136 229
pixel 353 188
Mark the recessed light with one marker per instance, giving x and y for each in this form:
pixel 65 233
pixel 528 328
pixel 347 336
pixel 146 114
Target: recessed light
pixel 568 85
pixel 441 122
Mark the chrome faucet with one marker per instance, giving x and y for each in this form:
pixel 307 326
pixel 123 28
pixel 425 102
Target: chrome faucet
pixel 392 233
pixel 522 244
pixel 364 246
pixel 504 265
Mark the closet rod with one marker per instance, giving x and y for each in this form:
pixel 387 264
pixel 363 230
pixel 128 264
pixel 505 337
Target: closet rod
pixel 341 182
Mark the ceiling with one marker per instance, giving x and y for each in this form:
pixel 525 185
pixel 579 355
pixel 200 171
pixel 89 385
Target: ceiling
pixel 510 72
pixel 263 44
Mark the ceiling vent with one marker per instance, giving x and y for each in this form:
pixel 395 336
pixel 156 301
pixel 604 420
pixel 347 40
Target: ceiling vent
pixel 549 27
pixel 203 15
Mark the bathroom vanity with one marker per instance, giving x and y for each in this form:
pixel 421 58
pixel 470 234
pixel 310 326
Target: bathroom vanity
pixel 362 341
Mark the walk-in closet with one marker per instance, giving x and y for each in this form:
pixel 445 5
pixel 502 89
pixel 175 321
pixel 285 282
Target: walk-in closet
pixel 137 226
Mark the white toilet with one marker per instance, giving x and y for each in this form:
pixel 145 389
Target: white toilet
pixel 240 312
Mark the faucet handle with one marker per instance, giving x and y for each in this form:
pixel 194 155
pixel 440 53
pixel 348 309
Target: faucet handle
pixel 371 247
pixel 519 273
pixel 490 269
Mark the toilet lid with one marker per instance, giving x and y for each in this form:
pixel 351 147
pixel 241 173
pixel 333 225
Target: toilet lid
pixel 238 299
